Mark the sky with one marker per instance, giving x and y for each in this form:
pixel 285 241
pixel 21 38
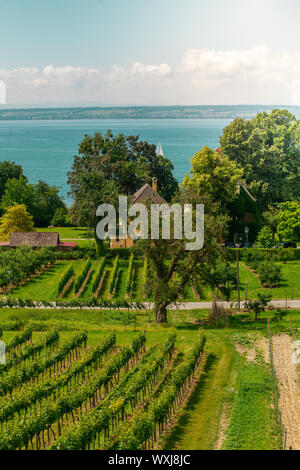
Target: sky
pixel 149 52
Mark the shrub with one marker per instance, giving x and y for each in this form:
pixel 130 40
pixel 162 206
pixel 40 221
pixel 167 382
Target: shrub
pixel 113 275
pixel 269 274
pixel 258 306
pixel 264 238
pixel 18 265
pixel 69 272
pixel 129 274
pixel 98 274
pixel 82 275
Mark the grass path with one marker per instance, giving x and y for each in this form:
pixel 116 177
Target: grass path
pixel 198 424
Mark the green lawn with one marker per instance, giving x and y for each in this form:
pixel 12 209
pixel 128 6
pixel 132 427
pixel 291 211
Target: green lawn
pixel 68 233
pixel 289 286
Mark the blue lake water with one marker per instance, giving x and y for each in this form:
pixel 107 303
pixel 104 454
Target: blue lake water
pixel 45 149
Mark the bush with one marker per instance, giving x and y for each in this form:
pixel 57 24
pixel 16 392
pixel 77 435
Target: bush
pixel 65 278
pixel 269 274
pixel 114 272
pixel 82 275
pixel 258 306
pixel 98 274
pixel 18 265
pixel 260 254
pixel 129 274
pixel 264 238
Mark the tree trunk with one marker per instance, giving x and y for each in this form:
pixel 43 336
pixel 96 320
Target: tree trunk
pixel 161 313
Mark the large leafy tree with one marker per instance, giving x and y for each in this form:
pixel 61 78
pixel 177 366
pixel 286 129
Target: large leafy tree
pixel 213 175
pixel 108 165
pixel 17 191
pixel 47 202
pixel 41 200
pixel 8 170
pixel 15 219
pixel 268 149
pixel 173 267
pixel 288 228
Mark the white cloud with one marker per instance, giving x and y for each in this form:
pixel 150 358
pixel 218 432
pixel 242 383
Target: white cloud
pixel 203 76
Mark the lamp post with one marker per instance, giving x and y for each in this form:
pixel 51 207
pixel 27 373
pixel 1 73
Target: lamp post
pixel 246 232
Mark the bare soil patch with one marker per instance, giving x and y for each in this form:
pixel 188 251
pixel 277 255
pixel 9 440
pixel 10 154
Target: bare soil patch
pixel 288 382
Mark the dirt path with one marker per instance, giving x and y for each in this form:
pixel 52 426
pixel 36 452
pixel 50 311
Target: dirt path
pixel 288 383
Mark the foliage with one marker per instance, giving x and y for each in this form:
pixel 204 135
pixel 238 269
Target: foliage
pixel 258 306
pixel 173 266
pixel 223 278
pixel 60 218
pixel 267 147
pixel 264 238
pixel 15 219
pixel 41 200
pixel 279 314
pixel 8 171
pixel 109 165
pixel 244 213
pixel 17 265
pixel 81 276
pixel 252 423
pixel 269 274
pixel 113 275
pixel 213 175
pixel 69 272
pixel 98 274
pixel 288 228
pixel 129 274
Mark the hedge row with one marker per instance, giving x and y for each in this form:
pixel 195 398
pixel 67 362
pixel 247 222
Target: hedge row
pixel 91 303
pixel 113 276
pixel 98 274
pixel 81 276
pixel 265 254
pixel 129 274
pixel 69 272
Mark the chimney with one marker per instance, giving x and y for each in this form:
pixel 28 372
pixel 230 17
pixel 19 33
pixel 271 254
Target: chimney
pixel 154 185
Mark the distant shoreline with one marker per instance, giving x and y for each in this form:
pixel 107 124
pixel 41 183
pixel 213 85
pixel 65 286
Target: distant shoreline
pixel 140 112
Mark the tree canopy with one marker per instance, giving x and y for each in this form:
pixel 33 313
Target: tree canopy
pixel 8 170
pixel 213 175
pixel 288 228
pixel 41 200
pixel 268 149
pixel 15 219
pixel 109 165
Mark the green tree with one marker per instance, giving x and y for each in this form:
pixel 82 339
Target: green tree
pixel 47 202
pixel 41 200
pixel 214 176
pixel 8 170
pixel 15 219
pixel 288 228
pixel 18 191
pixel 115 163
pixel 60 218
pixel 271 219
pixel 264 238
pixel 173 267
pixel 268 149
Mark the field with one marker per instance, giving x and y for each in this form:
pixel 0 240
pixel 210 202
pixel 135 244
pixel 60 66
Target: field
pixel 115 380
pixel 44 286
